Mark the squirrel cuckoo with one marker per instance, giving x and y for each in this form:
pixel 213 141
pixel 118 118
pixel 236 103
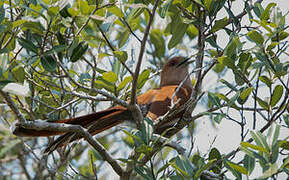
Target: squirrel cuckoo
pixel 157 102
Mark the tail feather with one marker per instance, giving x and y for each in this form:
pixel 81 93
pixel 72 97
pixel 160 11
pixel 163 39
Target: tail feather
pixel 94 123
pixel 97 125
pixel 82 120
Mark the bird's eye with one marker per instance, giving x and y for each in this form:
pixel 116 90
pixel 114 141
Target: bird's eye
pixel 173 63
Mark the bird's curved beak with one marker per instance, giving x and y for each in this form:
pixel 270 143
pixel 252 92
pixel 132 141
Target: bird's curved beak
pixel 185 62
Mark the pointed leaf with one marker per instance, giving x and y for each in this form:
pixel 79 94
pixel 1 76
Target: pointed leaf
pixel 124 82
pixel 256 37
pixel 109 76
pixel 219 24
pixel 49 63
pixel 237 167
pixel 28 45
pixel 266 80
pixel 277 94
pixel 78 51
pixel 164 8
pixel 121 55
pixel 249 164
pixel 255 147
pixel 246 92
pixel 262 103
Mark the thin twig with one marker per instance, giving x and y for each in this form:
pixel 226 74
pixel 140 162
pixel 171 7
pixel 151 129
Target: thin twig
pixel 12 106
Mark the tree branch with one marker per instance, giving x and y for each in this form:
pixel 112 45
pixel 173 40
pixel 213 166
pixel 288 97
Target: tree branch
pixel 12 106
pixel 40 125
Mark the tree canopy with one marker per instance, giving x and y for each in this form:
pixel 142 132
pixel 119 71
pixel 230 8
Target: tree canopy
pixel 62 59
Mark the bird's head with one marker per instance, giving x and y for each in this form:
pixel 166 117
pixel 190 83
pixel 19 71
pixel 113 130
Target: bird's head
pixel 174 71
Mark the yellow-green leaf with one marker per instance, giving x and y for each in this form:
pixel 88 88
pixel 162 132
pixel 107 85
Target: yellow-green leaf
pixel 277 94
pixel 256 37
pixel 109 76
pixel 255 147
pixel 237 167
pixel 121 55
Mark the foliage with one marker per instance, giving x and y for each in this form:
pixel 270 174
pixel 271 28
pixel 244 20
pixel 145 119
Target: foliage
pixel 60 53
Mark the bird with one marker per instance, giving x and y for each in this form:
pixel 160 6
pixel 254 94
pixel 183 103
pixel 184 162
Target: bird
pixel 156 101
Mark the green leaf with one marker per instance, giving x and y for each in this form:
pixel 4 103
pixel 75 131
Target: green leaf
pixel 192 31
pixel 246 92
pixel 215 154
pixel 144 172
pixel 56 49
pixel 121 55
pixel 19 74
pixel 227 61
pixel 276 135
pixel 143 148
pixel 265 14
pixel 237 167
pixel 123 37
pixel 231 48
pixel 262 103
pixel 78 51
pixel 207 4
pixel 84 7
pixel 285 163
pixel 253 154
pixel 214 99
pixel 203 168
pixel 277 94
pixel 223 97
pixel 28 45
pixel 238 77
pixel 218 118
pixel 124 82
pixel 219 24
pixel 237 174
pixel 249 163
pixel 183 165
pixel 142 78
pixel 280 36
pixel 18 23
pixel 234 98
pixel 286 119
pixel 266 80
pixel 258 9
pixel 245 61
pixel 109 76
pixel 60 38
pixel 136 12
pixel 212 40
pixel 260 140
pixel 64 11
pixel 164 8
pixel 49 63
pixel 228 84
pixel 284 144
pixel 116 11
pixel 156 37
pixel 256 37
pixel 255 147
pixel 177 35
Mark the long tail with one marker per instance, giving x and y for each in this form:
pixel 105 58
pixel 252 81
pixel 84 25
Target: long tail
pixel 94 123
